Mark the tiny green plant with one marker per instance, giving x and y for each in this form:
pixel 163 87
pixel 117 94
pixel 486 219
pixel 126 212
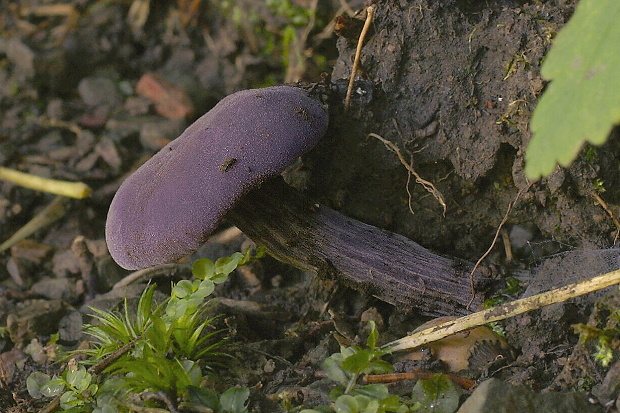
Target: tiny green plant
pixel 233 400
pixel 164 348
pixel 437 394
pixel 602 338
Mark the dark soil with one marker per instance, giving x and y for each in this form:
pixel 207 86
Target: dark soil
pixel 452 84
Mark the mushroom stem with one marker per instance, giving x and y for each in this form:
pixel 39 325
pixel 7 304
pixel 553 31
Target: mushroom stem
pixel 386 265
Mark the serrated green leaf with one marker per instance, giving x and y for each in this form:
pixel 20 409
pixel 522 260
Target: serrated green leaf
pixel 582 102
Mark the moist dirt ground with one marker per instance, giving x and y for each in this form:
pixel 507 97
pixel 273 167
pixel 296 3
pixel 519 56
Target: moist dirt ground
pixel 89 89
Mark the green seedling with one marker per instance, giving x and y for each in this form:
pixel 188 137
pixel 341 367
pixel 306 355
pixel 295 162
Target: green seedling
pixel 437 394
pixel 233 400
pixel 163 348
pixel 602 332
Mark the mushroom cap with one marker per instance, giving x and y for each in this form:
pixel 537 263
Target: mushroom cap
pixel 167 208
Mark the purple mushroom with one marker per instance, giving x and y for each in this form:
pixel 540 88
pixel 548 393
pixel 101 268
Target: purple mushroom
pixel 170 205
pixel 223 165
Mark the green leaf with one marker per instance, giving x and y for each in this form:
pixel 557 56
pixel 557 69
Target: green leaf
pixel 357 362
pixel 70 399
pixel 35 382
pixel 233 400
pixel 374 391
pixel 333 369
pixel 346 404
pixel 183 288
pixel 204 397
pixel 437 395
pixel 379 367
pixel 193 371
pixel 203 268
pixel 582 102
pixel 225 265
pixel 371 341
pixel 145 307
pixel 79 379
pixel 53 387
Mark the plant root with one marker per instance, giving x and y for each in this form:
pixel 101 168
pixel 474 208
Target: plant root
pixel 412 172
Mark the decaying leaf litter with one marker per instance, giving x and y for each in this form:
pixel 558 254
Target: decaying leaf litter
pixel 112 129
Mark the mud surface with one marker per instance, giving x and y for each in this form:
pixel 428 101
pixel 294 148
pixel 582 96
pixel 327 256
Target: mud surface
pixel 453 85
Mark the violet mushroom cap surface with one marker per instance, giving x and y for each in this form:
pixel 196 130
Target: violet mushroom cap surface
pixel 168 207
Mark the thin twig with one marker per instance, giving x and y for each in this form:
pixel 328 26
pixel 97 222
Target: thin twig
pixel 53 405
pixel 409 165
pixel 507 245
pixel 370 11
pixel 464 382
pixel 504 311
pixel 112 357
pixel 488 251
pixel 604 205
pixel 149 273
pixel 48 215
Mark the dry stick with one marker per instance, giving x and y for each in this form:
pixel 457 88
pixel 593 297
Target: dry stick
pixel 46 122
pixel 51 213
pixel 464 382
pixel 604 205
pixel 223 237
pixel 497 233
pixel 48 10
pixel 149 273
pixel 426 184
pixel 76 190
pixel 370 11
pixel 507 245
pixel 504 311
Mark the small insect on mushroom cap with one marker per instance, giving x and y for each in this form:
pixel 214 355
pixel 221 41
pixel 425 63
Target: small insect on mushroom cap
pixel 167 208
